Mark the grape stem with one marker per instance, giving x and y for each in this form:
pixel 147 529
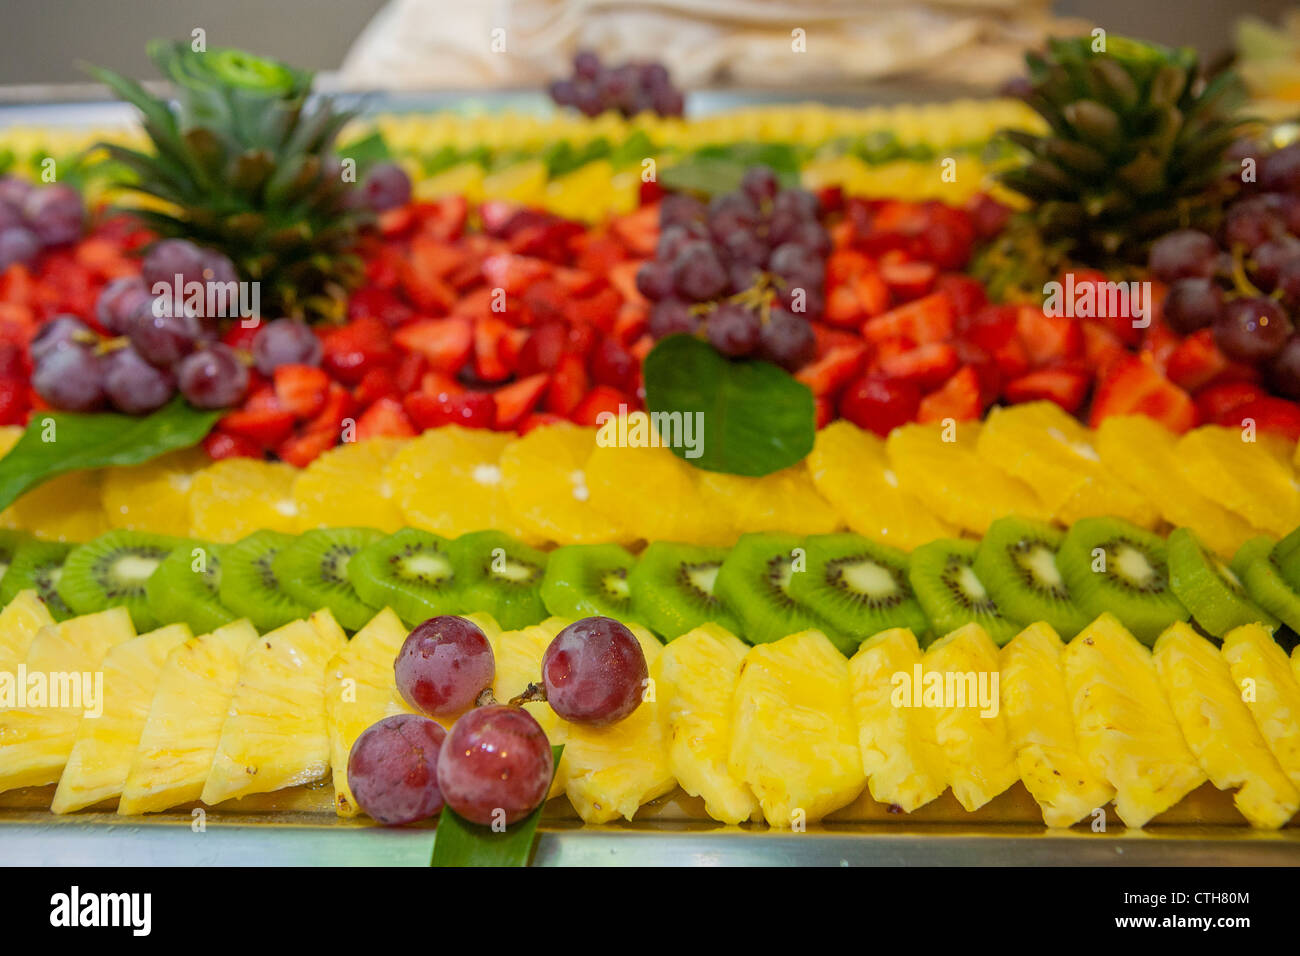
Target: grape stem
pixel 533 692
pixel 485 698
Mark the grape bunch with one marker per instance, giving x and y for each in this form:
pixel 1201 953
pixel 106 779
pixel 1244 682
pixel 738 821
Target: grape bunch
pixel 154 348
pixel 747 271
pixel 34 217
pixel 1243 283
pixel 632 88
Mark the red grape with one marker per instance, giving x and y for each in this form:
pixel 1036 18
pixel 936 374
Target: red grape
pixel 120 302
pixel 1284 370
pixel 1252 329
pixel 1269 258
pixel 760 184
pixel 70 378
pixel 1252 222
pixel 733 329
pixel 672 317
pixel 787 339
pixel 285 342
pixel 698 273
pixel 170 258
pixel 654 280
pixel 1279 171
pixel 679 209
pixel 1192 304
pixel 58 332
pixel 443 666
pixel 880 404
pixel 386 186
pixel 212 377
pixel 1183 254
pixel 496 765
pixel 55 214
pixel 163 339
pixel 133 385
pixel 594 672
pixel 18 244
pixel 393 769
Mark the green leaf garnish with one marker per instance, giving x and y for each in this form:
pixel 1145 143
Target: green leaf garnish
pixel 95 441
pixel 756 418
pixel 458 842
pixel 717 169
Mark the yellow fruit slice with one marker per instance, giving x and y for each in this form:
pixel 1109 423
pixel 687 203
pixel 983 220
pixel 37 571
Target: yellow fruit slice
pixel 105 746
pixel 940 466
pixel 154 496
pixel 449 481
pixel 1125 727
pixel 785 500
pixel 1243 476
pixel 1040 728
pixel 979 760
pixel 36 738
pixel 519 663
pixel 543 476
pixel 1051 452
pixel 696 678
pixel 609 772
pixel 66 508
pixel 793 737
pixel 20 621
pixel 904 767
pixel 1219 729
pixel 275 736
pixel 523 182
pixel 232 498
pixel 1144 453
pixel 183 729
pixel 1263 679
pixel 349 480
pixel 850 469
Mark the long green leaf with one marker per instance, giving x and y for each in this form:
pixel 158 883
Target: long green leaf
pixel 461 843
pixel 77 441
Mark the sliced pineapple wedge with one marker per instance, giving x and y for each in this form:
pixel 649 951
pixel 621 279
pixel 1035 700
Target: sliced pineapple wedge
pixel 181 733
pixel 696 678
pixel 1271 691
pixel 36 740
pixel 972 736
pixel 1041 729
pixel 610 772
pixel 904 768
pixel 19 621
pixel 275 735
pixel 793 736
pixel 1126 729
pixel 1219 729
pixel 105 746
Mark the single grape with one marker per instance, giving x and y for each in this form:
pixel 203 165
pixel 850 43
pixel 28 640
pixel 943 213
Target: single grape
pixel 443 666
pixel 760 184
pixel 564 93
pixel 1252 222
pixel 1183 254
pixel 669 102
pixel 1288 284
pixel 586 63
pixel 698 273
pixel 70 378
pixel 11 217
pixel 1284 369
pixel 59 332
pixel 1192 304
pixel 810 235
pixel 285 342
pixel 18 245
pixel 796 264
pixel 654 280
pixel 745 248
pixel 496 765
pixel 217 267
pixel 55 214
pixel 1252 329
pixel 672 317
pixel 587 99
pixel 672 239
pixel 386 186
pixel 393 769
pixel 732 329
pixel 731 213
pixel 168 259
pixel 787 339
pixel 212 377
pixel 120 302
pixel 163 339
pixel 594 672
pixel 678 209
pixel 742 277
pixel 134 386
pixel 14 191
pixel 1267 260
pixel 1280 171
pixel 654 75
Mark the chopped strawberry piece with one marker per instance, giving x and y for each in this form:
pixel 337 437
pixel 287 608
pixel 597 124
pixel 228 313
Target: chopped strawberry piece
pixel 598 252
pixel 1132 387
pixel 928 366
pixel 467 409
pixel 239 337
pixel 1269 414
pixel 843 308
pixel 301 450
pixel 1048 338
pixel 515 401
pixel 220 444
pixel 514 273
pixel 600 310
pixel 338 406
pixel 384 419
pixel 489 350
pixel 960 399
pixel 642 347
pixel 638 231
pixel 599 400
pixel 823 410
pixel 568 385
pixel 611 364
pixel 543 349
pixel 540 420
pixel 1101 347
pixel 301 389
pixel 372 302
pixel 844 265
pixel 992 330
pixel 880 404
pixel 395 223
pixel 13 401
pixel 1065 385
pixel 623 279
pixel 1216 401
pixel 579 282
pixel 410 370
pixel 350 350
pixel 908 280
pixel 650 192
pixel 1196 361
pixel 923 321
pixel 631 323
pixel 966 294
pixel 444 218
pixel 446 344
pixel 430 257
pixel 376 384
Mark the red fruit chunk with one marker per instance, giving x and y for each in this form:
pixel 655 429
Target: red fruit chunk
pixel 384 419
pixel 966 294
pixel 928 366
pixel 338 406
pixel 908 280
pixel 568 386
pixel 1196 361
pixel 372 302
pixel 220 444
pixel 303 449
pixel 301 389
pixel 1048 338
pixel 834 370
pixel 880 404
pixel 1270 414
pixel 1216 401
pixel 1066 386
pixel 376 384
pixel 490 350
pixel 353 349
pixel 513 402
pixel 1132 387
pixel 926 320
pixel 600 310
pixel 639 231
pixel 543 348
pixel 611 364
pixel 467 409
pixel 442 219
pixel 600 399
pixel 961 398
pixel 263 427
pixel 445 344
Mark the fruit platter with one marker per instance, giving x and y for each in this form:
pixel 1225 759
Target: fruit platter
pixel 488 483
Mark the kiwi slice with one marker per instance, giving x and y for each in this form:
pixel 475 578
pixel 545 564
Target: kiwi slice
pixel 672 589
pixel 412 572
pixel 582 580
pixel 184 587
pixel 1112 565
pixel 249 585
pixel 859 586
pixel 502 577
pixel 1254 566
pixel 314 570
pixel 38 565
pixel 1286 558
pixel 1016 561
pixel 951 594
pixel 754 581
pixel 10 542
pixel 1209 589
pixel 111 571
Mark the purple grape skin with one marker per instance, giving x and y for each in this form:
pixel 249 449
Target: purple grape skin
pixel 212 377
pixel 672 317
pixel 799 203
pixel 678 209
pixel 1183 254
pixel 594 672
pixel 170 258
pixel 1280 171
pixel 285 342
pixel 669 102
pixel 1252 222
pixel 586 64
pixel 217 267
pixel 495 765
pixel 673 238
pixel 742 276
pixel 62 331
pixel 14 191
pixel 120 302
pixel 811 235
pixel 798 265
pixel 18 244
pixel 732 329
pixel 746 248
pixel 386 186
pixel 132 385
pixel 1192 304
pixel 443 666
pixel 10 217
pixel 1268 259
pixel 70 378
pixel 813 300
pixel 787 339
pixel 698 273
pixel 564 92
pixel 760 184
pixel 1284 369
pixel 1252 329
pixel 163 339
pixel 55 214
pixel 393 769
pixel 654 280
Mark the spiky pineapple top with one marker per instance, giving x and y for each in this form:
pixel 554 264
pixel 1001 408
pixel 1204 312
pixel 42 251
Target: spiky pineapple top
pixel 244 162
